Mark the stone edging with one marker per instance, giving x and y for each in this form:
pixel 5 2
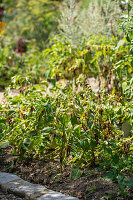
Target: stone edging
pixel 13 184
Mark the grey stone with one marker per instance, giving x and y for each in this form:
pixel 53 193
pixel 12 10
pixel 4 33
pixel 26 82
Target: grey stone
pixel 6 178
pixel 13 184
pixel 56 196
pixel 25 189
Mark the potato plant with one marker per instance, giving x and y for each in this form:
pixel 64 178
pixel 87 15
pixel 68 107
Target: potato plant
pixel 80 126
pixel 108 60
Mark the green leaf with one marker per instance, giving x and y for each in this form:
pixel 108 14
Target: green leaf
pixel 47 73
pixel 10 165
pixel 108 176
pixel 128 38
pixel 53 81
pixel 129 182
pixel 33 133
pixel 77 128
pixel 26 141
pixel 131 51
pixel 120 111
pixel 93 144
pixel 44 134
pixel 10 112
pixel 121 182
pixel 109 150
pixel 90 124
pixel 76 173
pixel 47 129
pixel 128 93
pixel 124 85
pixel 3 121
pixel 119 73
pixel 74 120
pixel 4 144
pixel 115 158
pixel 85 144
pixel 120 43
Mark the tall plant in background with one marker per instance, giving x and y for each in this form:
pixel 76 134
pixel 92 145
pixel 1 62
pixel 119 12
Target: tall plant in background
pixel 69 23
pixel 100 18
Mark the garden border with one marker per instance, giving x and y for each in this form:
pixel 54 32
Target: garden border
pixel 13 184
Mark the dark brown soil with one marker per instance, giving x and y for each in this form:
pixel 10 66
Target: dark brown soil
pixel 7 196
pixel 90 186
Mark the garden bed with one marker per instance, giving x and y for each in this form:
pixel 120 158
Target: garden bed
pixel 90 185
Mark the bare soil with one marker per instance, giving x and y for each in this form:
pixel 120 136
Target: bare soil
pixel 7 196
pixel 90 186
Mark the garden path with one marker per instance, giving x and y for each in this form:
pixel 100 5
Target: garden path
pixel 92 81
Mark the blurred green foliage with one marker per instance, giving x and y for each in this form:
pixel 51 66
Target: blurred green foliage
pixel 32 20
pixel 12 63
